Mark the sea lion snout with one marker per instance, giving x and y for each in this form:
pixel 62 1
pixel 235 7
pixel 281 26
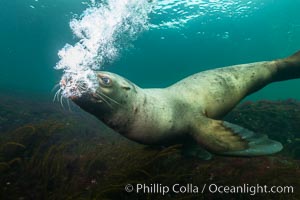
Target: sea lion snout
pixel 74 87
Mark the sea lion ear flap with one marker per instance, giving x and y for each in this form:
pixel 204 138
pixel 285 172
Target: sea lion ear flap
pixel 124 85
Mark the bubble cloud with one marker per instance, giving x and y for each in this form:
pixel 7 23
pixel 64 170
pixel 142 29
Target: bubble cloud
pixel 103 30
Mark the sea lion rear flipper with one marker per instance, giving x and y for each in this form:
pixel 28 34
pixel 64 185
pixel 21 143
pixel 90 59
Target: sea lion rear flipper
pixel 229 139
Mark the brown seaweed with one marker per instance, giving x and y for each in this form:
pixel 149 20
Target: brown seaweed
pixel 72 156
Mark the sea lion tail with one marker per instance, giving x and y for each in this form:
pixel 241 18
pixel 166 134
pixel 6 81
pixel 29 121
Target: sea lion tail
pixel 229 139
pixel 288 68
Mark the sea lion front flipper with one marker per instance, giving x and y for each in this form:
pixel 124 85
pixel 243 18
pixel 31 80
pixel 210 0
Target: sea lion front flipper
pixel 229 139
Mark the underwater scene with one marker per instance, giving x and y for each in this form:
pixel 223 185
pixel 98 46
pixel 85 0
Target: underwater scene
pixel 149 99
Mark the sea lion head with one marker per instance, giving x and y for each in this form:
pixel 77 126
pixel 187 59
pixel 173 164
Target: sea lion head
pixel 113 95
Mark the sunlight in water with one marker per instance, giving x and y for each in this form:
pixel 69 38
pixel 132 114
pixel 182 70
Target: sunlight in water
pixel 104 29
pixel 177 13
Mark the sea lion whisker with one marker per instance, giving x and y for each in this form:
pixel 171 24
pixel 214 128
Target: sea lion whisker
pixel 101 97
pixel 82 87
pixel 110 99
pixel 55 86
pixel 56 94
pixel 106 98
pixel 68 103
pixel 61 101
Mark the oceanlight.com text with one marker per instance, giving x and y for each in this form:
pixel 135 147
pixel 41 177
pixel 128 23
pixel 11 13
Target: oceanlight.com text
pixel 157 188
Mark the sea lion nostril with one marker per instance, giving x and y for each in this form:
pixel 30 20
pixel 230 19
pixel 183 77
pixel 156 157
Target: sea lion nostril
pixel 63 83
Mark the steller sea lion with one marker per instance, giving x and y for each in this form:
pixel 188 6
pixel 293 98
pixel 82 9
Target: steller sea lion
pixel 189 112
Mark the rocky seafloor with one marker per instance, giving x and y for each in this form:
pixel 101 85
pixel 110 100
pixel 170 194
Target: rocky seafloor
pixel 50 152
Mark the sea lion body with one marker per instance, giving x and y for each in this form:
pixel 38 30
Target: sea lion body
pixel 189 111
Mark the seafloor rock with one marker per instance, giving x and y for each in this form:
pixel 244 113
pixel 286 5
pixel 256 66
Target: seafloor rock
pixel 58 154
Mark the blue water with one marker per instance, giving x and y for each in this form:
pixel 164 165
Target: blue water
pixel 49 151
pixel 32 32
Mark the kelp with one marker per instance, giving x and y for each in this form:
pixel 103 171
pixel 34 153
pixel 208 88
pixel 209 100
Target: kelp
pixel 72 156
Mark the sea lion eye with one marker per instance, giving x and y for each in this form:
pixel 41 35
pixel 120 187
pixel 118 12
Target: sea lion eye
pixel 106 80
